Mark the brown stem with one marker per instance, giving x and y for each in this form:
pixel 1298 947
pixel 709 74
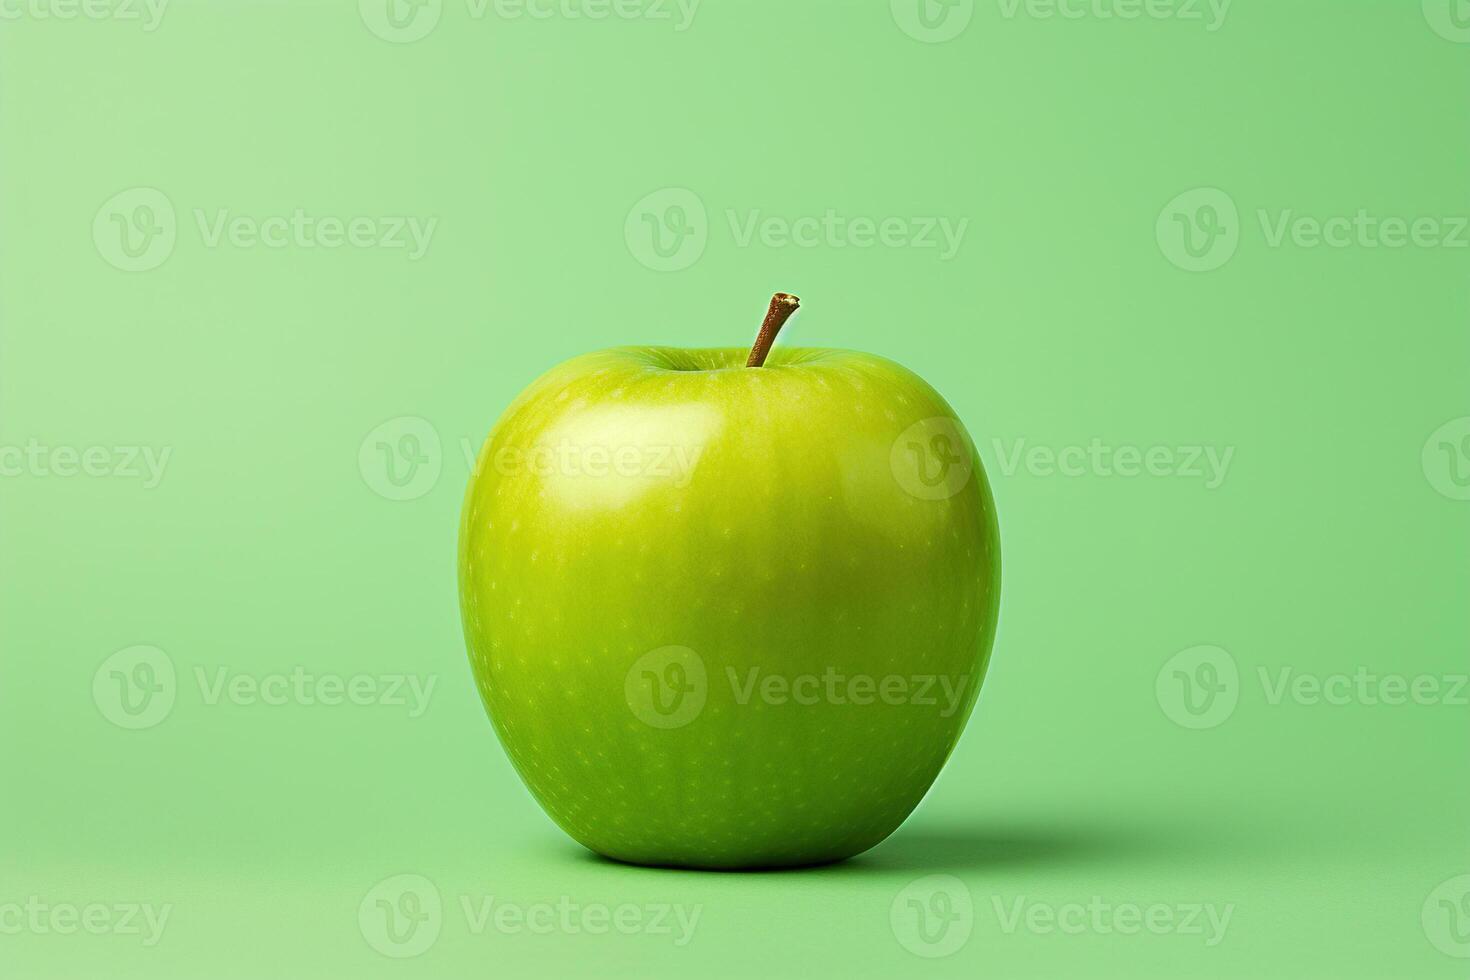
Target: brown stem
pixel 782 306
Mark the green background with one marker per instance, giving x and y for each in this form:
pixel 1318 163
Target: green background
pixel 1064 317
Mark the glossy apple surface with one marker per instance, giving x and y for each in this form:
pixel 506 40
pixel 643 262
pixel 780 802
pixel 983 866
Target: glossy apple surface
pixel 724 616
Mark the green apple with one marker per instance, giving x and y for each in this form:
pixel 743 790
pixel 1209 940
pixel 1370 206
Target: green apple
pixel 729 611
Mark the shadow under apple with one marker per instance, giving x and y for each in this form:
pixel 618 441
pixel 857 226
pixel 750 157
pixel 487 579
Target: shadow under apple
pixel 955 848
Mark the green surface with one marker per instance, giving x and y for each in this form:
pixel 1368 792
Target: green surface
pixel 593 183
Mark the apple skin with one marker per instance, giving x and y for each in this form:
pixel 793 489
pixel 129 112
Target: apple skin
pixel 652 534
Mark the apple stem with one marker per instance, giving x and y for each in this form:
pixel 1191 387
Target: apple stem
pixel 782 306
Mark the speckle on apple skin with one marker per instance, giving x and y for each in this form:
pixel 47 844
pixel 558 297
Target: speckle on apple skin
pixel 787 549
